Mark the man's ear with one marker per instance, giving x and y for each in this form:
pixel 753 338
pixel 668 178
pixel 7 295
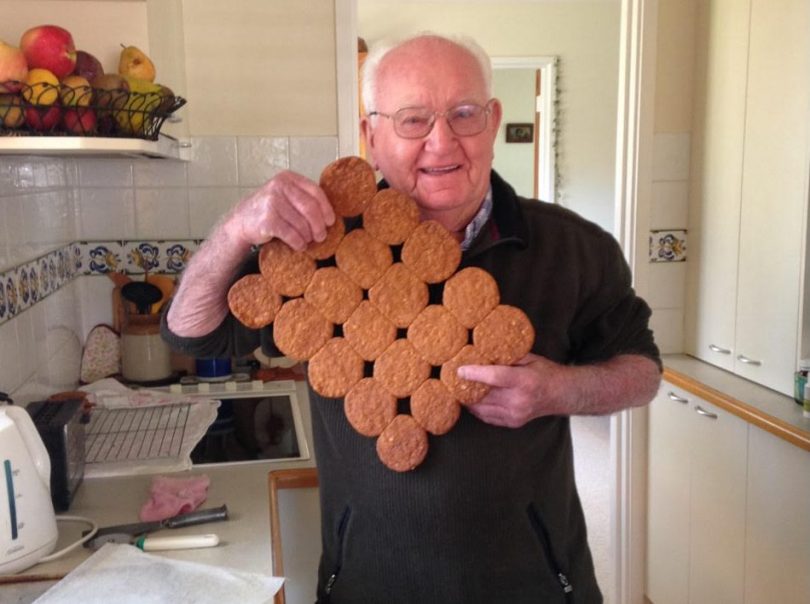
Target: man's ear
pixel 367 132
pixel 496 114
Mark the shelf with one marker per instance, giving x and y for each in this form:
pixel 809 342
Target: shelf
pixel 165 147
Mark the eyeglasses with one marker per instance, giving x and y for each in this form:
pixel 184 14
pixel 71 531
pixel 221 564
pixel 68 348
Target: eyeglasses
pixel 468 119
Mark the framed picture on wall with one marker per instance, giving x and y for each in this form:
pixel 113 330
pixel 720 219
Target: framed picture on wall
pixel 519 133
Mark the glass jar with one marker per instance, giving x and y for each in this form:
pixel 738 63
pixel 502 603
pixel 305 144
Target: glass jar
pixel 800 380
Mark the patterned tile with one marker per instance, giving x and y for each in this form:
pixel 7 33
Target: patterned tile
pixel 668 246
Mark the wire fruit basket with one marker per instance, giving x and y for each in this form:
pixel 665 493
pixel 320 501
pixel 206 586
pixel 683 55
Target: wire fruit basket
pixel 47 110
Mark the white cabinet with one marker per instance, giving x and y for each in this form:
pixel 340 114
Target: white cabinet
pixel 777 538
pixel 696 501
pixel 749 189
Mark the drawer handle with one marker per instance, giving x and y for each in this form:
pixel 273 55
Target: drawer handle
pixel 744 359
pixel 701 411
pixel 678 399
pixel 715 348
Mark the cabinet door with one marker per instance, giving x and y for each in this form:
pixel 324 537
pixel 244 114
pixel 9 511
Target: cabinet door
pixel 717 156
pixel 668 497
pixel 717 504
pixel 774 192
pixel 777 540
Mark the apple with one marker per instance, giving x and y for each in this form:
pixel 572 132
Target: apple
pixel 43 119
pixel 13 68
pixel 79 120
pixel 49 47
pixel 11 113
pixel 87 66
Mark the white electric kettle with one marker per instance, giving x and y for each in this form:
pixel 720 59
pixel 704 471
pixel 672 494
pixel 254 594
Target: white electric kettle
pixel 27 521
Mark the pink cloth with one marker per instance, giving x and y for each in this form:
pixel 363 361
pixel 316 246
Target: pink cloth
pixel 169 496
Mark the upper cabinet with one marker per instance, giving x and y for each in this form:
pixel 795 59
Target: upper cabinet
pixel 748 203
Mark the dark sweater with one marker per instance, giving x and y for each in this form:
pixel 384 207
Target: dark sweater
pixel 492 515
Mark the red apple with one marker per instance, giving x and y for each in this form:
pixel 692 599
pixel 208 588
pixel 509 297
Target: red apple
pixel 49 47
pixel 13 68
pixel 79 121
pixel 87 66
pixel 42 119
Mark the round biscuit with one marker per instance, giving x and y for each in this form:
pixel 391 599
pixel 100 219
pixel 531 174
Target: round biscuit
pixel 333 293
pixel 434 407
pixel 505 335
pixel 254 301
pixel 369 331
pixel 321 250
pixel 287 269
pixel 470 295
pixel 369 407
pixel 401 369
pixel 399 295
pixel 334 369
pixel 391 216
pixel 349 185
pixel 363 257
pixel 466 392
pixel 431 252
pixel 436 334
pixel 300 330
pixel 403 444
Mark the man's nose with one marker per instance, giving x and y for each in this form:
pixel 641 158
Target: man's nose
pixel 441 135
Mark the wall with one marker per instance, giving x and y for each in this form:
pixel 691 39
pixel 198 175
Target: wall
pixel 675 60
pixel 585 35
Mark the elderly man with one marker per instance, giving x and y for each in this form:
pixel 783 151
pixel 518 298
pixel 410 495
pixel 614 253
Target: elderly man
pixel 492 515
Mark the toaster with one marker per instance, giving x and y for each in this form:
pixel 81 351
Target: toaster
pixel 61 425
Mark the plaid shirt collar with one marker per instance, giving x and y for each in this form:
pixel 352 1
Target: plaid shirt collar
pixel 479 220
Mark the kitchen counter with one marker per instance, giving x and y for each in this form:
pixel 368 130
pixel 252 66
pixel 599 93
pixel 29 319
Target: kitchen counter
pixel 760 406
pixel 245 542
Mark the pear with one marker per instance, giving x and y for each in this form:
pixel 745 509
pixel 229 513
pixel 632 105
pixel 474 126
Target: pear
pixel 136 114
pixel 134 63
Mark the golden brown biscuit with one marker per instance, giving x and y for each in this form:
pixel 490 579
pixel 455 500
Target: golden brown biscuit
pixel 436 334
pixel 466 392
pixel 327 248
pixel 401 369
pixel 434 407
pixel 403 444
pixel 391 216
pixel 399 295
pixel 287 269
pixel 369 407
pixel 333 293
pixel 254 301
pixel 369 331
pixel 334 369
pixel 470 295
pixel 431 252
pixel 300 330
pixel 349 185
pixel 363 258
pixel 505 335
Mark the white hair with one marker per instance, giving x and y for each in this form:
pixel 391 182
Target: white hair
pixel 380 49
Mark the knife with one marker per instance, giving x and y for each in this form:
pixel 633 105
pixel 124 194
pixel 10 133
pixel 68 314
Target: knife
pixel 154 544
pixel 179 521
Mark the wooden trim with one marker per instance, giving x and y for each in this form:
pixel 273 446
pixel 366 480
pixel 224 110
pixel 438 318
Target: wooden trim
pixel 302 478
pixel 749 413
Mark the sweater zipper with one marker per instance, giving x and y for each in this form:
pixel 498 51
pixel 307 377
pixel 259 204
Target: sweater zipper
pixel 545 543
pixel 330 583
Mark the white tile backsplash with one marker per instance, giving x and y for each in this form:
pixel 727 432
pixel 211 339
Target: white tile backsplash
pixel 106 213
pixel 206 207
pixel 10 372
pixel 670 205
pixel 309 155
pixel 671 156
pixel 213 162
pixel 667 325
pixel 667 283
pixel 151 173
pixel 161 213
pixel 260 158
pixel 105 172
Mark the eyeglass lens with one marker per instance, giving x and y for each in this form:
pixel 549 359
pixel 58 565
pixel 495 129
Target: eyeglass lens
pixel 416 122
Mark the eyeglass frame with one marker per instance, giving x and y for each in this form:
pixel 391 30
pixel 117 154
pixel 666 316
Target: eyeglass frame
pixel 487 108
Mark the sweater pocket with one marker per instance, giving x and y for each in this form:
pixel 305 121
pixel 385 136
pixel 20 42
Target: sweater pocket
pixel 552 560
pixel 341 546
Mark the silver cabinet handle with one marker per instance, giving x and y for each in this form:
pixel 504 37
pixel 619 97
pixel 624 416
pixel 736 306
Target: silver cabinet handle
pixel 701 411
pixel 678 399
pixel 715 348
pixel 748 361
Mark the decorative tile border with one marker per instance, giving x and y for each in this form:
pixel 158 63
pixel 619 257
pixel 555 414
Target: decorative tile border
pixel 23 286
pixel 668 246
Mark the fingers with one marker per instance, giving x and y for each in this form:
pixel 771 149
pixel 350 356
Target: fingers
pixel 501 376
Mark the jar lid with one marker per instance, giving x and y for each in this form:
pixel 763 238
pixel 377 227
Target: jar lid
pixel 804 364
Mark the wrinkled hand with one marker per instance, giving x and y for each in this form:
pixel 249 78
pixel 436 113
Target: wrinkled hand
pixel 289 207
pixel 518 393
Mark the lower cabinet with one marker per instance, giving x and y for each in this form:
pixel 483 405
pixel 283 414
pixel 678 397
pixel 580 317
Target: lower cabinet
pixel 696 501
